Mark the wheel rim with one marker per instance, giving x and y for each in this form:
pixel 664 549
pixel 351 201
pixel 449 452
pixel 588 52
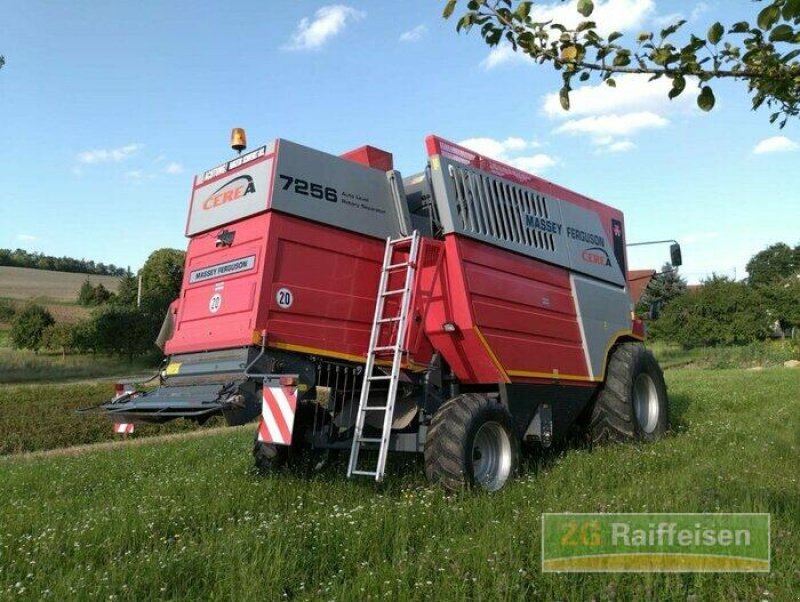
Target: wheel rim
pixel 645 403
pixel 491 456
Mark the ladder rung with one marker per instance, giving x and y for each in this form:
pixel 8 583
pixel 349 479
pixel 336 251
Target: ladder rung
pixel 369 440
pixel 397 291
pixel 365 473
pixel 397 241
pixel 374 408
pixel 389 348
pixel 381 377
pixel 397 266
pixel 385 320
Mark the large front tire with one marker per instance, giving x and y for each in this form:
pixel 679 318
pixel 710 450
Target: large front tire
pixel 472 442
pixel 632 404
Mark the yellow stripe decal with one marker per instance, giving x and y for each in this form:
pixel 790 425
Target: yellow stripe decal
pixel 360 359
pixel 493 357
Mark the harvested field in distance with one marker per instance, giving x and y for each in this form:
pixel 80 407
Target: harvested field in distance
pixel 27 283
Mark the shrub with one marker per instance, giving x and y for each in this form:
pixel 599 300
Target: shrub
pixel 7 310
pixel 722 312
pixel 122 329
pixel 29 326
pixel 58 337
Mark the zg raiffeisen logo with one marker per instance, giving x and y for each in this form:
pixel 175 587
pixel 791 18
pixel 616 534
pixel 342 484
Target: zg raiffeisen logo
pixel 672 542
pixel 231 191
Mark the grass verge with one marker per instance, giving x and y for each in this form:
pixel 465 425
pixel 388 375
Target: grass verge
pixel 40 417
pixel 22 366
pixel 189 520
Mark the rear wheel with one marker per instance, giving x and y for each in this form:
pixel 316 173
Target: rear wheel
pixel 472 442
pixel 632 404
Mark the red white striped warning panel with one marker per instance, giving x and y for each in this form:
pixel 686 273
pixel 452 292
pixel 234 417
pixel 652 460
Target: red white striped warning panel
pixel 277 414
pixel 123 428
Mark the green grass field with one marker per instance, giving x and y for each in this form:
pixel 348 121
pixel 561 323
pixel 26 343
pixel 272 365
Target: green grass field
pixel 189 520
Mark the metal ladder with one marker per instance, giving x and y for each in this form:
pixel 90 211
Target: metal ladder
pixel 395 347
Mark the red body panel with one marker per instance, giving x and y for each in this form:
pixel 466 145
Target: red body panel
pixel 515 317
pixel 332 275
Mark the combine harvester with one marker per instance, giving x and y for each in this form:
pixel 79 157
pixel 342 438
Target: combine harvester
pixel 460 313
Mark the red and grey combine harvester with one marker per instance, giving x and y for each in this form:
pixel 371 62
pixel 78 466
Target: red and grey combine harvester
pixel 460 312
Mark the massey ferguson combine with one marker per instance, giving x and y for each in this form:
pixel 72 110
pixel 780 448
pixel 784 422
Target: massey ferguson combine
pixel 460 313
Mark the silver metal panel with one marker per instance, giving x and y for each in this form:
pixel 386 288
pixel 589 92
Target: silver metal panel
pixel 497 211
pixel 521 219
pixel 590 250
pixel 605 312
pixel 328 189
pixel 227 199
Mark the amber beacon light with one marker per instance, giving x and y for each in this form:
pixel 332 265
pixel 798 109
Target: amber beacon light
pixel 238 139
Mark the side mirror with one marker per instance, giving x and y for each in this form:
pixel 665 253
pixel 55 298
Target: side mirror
pixel 675 257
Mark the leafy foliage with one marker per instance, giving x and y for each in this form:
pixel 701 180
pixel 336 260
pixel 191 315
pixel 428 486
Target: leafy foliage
pixel 7 310
pixel 162 275
pixel 662 288
pixel 20 258
pixel 128 290
pixel 762 54
pixel 721 312
pixel 774 263
pixel 123 329
pixel 28 327
pixel 58 337
pixel 94 295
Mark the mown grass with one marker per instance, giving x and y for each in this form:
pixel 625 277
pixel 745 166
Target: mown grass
pixel 23 366
pixel 760 354
pixel 190 520
pixel 40 417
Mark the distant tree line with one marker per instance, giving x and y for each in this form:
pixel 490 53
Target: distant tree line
pixel 20 258
pixel 723 311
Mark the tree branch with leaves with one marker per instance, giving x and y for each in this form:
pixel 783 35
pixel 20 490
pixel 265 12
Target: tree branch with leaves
pixel 763 54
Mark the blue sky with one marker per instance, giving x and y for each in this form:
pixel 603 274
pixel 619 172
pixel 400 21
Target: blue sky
pixel 107 110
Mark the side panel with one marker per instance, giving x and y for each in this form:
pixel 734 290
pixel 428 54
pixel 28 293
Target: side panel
pixel 605 313
pixel 221 288
pixel 487 200
pixel 231 191
pixel 335 191
pixel 331 276
pixel 515 317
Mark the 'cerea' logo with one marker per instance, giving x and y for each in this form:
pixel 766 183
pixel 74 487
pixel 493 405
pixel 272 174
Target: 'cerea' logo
pixel 597 256
pixel 235 189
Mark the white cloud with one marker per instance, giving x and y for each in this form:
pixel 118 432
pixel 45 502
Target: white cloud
pixel 612 125
pixel 632 93
pixel 134 174
pixel 511 151
pixel 413 35
pixel 173 168
pixel 622 146
pixel 698 11
pixel 537 164
pixel 776 144
pixel 611 15
pixel 27 237
pixel 504 55
pixel 113 155
pixel 328 21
